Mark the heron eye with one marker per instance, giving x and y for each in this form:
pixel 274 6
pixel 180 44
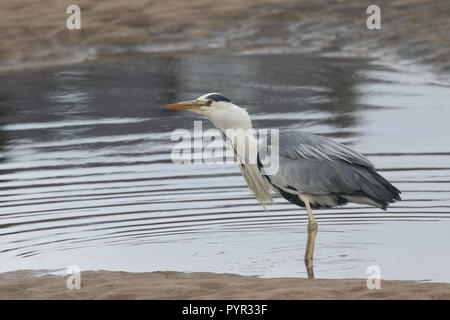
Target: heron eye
pixel 209 102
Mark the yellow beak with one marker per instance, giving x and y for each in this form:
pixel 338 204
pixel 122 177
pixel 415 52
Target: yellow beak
pixel 186 105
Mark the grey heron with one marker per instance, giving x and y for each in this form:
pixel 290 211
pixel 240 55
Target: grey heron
pixel 313 171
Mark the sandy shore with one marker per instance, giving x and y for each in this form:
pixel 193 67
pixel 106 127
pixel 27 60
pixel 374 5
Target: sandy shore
pixel 34 33
pixel 178 285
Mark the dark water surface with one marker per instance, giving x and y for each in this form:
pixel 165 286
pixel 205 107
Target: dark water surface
pixel 86 176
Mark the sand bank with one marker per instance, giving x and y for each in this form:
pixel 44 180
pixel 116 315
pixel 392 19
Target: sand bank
pixel 34 33
pixel 178 285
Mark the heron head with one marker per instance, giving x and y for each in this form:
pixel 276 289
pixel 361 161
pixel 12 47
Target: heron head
pixel 218 109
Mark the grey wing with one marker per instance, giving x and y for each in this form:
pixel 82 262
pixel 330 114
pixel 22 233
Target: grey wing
pixel 304 145
pixel 327 173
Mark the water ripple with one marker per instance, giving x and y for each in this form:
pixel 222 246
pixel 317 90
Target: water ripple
pixel 112 184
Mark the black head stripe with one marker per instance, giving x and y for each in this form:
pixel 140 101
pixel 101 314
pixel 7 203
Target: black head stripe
pixel 217 97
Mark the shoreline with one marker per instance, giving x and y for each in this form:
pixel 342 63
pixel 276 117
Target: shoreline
pixel 149 28
pixel 168 285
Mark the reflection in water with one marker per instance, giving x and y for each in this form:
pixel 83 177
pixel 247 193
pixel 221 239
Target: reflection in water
pixel 86 176
pixel 5 109
pixel 343 95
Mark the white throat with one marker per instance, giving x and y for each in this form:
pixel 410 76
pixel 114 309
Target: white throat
pixel 226 115
pixel 236 126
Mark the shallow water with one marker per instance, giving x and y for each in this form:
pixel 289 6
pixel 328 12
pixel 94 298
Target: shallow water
pixel 86 176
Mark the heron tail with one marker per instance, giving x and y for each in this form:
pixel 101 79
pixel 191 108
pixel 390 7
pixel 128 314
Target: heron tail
pixel 377 188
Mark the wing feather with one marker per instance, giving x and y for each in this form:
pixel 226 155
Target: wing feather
pixel 297 145
pixel 317 166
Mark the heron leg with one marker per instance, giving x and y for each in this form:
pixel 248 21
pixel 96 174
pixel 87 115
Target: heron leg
pixel 312 231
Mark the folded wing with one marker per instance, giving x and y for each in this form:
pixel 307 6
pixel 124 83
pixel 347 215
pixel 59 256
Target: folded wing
pixel 327 173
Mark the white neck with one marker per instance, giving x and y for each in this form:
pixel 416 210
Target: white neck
pixel 228 116
pixel 236 125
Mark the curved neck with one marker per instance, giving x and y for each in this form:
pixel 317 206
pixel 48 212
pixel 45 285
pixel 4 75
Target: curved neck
pixel 244 144
pixel 245 148
pixel 228 116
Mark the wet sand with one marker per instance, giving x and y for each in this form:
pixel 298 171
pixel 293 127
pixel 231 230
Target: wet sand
pixel 413 29
pixel 178 285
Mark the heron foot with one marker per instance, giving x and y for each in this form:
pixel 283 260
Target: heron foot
pixel 310 272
